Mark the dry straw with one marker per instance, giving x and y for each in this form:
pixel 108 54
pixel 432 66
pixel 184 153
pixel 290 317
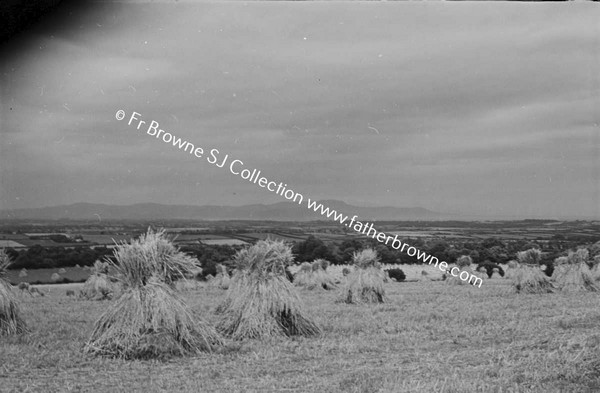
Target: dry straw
pixel 150 320
pixel 315 276
pixel 573 273
pixel 528 277
pixel 261 302
pixel 366 283
pixel 11 321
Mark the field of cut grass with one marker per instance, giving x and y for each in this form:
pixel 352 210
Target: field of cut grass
pixel 429 337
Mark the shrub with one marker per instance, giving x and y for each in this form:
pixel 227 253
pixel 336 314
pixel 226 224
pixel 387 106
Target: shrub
pixel 396 274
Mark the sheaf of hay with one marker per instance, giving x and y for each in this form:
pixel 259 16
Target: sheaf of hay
pixel 11 320
pixel 261 302
pixel 366 283
pixel 315 276
pixel 531 279
pixel 150 321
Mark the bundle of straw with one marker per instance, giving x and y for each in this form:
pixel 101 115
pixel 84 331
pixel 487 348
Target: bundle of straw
pixel 149 319
pixel 366 283
pixel 11 321
pixel 261 302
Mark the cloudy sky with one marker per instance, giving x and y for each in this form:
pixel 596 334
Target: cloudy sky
pixel 475 108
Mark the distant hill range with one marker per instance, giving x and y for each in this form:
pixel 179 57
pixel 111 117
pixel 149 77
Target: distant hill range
pixel 282 211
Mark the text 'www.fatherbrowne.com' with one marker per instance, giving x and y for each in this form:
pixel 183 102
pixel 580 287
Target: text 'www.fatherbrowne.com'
pixel 255 176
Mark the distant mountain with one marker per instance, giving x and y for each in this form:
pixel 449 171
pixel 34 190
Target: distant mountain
pixel 282 211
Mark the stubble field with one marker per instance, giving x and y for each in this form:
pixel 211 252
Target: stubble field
pixel 428 337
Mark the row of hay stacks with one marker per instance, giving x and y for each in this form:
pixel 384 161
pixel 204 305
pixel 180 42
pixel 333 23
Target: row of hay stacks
pixel 11 321
pixel 571 273
pixel 150 319
pixel 315 276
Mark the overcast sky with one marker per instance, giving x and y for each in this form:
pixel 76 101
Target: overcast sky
pixel 477 108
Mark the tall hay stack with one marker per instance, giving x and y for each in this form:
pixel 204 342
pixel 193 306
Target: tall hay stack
pixel 573 273
pixel 11 321
pixel 261 302
pixel 315 276
pixel 150 320
pixel 528 277
pixel 366 283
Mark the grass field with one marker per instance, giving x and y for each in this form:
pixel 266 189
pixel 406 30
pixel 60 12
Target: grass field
pixel 429 337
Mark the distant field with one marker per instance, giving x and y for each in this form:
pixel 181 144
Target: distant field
pixel 73 274
pixel 428 337
pixel 220 242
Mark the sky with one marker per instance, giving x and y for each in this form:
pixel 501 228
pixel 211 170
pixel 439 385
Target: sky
pixel 470 108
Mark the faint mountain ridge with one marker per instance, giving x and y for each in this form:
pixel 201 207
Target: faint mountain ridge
pixel 280 211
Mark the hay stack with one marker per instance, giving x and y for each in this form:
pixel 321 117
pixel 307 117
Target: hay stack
pixel 222 279
pixel 23 273
pixel 464 263
pixel 11 321
pixel 98 285
pixel 573 273
pixel 315 276
pixel 596 267
pixel 366 283
pixel 261 302
pixel 150 320
pixel 529 277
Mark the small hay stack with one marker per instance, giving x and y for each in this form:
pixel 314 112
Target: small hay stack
pixel 222 279
pixel 464 263
pixel 23 273
pixel 315 276
pixel 573 273
pixel 11 321
pixel 596 267
pixel 528 277
pixel 261 302
pixel 366 283
pixel 98 285
pixel 150 320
